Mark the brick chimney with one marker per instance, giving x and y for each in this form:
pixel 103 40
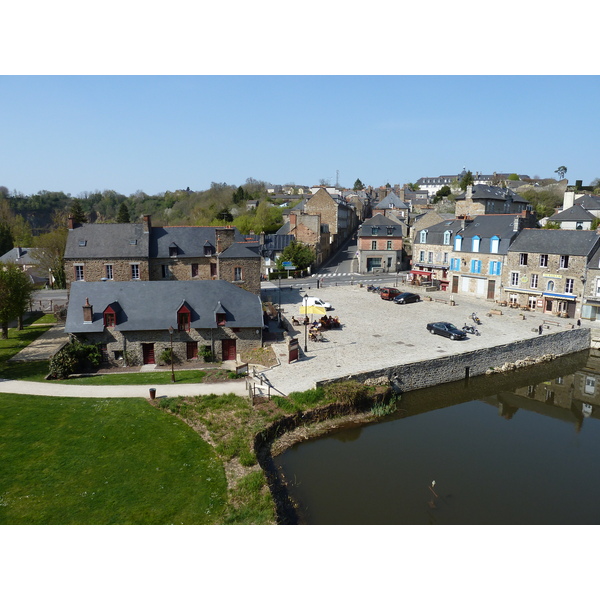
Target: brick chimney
pixel 293 219
pixel 88 311
pixel 225 237
pixel 71 222
pixel 147 223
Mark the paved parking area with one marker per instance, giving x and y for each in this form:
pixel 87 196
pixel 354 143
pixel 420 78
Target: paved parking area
pixel 378 333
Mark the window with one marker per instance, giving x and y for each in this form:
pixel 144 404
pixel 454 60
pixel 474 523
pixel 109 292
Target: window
pixel 564 262
pixel 597 287
pixel 108 270
pixel 173 250
pixel 523 259
pixel 455 264
pixel 550 286
pixel 494 244
pixel 447 235
pixel 135 271
pixel 543 260
pixel 475 244
pixel 82 243
pixel 194 269
pixel 590 385
pixel 208 250
pixel 430 257
pixel 513 299
pixel 495 267
pixel 389 245
pixel 390 231
pixel 532 302
pixel 221 319
pixel 165 271
pixel 475 266
pixel 423 236
pixel 458 243
pixel 514 278
pixel 110 319
pixel 422 256
pixel 445 261
pixel 569 286
pixel 183 320
pixel 374 230
pixel 579 225
pixel 213 269
pixel 78 272
pixel 374 245
pixel 237 274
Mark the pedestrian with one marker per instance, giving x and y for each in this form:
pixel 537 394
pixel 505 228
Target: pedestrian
pixel 540 329
pixel 578 322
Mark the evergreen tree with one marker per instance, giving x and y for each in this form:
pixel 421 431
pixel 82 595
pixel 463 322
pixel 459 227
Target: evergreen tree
pixel 77 212
pixel 123 215
pixel 6 239
pixel 358 185
pixel 467 179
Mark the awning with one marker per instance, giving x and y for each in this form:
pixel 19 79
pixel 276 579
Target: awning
pixel 312 310
pixel 428 273
pixel 571 297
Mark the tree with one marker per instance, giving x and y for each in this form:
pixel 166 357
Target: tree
pixel 413 187
pixel 299 254
pixel 49 252
pixel 6 239
pixel 77 212
pixel 561 172
pixel 123 215
pixel 513 177
pixel 358 185
pixel 466 180
pixel 443 192
pixel 15 295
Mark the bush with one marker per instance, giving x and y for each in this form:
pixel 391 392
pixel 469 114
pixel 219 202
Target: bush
pixel 73 358
pixel 166 356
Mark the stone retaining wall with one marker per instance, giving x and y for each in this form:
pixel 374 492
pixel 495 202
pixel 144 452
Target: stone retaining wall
pixel 428 373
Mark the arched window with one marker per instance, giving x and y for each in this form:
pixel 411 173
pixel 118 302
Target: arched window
pixel 550 286
pixel 423 236
pixel 447 235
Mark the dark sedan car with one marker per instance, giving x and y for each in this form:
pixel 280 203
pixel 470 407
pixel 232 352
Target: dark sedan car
pixel 407 298
pixel 447 330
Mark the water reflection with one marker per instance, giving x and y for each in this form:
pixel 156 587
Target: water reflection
pixel 534 464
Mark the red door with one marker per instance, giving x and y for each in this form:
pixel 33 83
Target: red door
pixel 228 349
pixel 148 353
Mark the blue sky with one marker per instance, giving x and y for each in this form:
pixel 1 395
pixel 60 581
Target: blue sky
pixel 158 133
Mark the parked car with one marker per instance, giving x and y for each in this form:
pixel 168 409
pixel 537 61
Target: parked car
pixel 388 293
pixel 407 298
pixel 312 301
pixel 447 330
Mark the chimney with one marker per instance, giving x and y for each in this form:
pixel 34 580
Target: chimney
pixel 88 311
pixel 261 238
pixel 71 222
pixel 293 219
pixel 19 252
pixel 225 236
pixel 469 193
pixel 147 223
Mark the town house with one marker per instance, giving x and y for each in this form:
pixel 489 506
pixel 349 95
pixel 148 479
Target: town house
pixel 380 245
pixel 546 269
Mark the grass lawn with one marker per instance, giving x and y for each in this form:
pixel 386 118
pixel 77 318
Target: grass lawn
pixel 96 461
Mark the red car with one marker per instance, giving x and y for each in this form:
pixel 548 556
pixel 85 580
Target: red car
pixel 388 293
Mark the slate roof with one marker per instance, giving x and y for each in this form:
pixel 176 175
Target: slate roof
pixel 574 213
pixel 571 242
pixel 152 305
pixel 239 250
pixel 492 192
pixel 19 256
pixel 435 233
pixel 383 223
pixel 190 241
pixel 588 202
pixel 273 242
pixel 393 200
pixel 486 227
pixel 107 240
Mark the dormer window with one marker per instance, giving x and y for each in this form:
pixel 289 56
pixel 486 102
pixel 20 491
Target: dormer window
pixel 458 243
pixel 447 238
pixel 221 319
pixel 110 317
pixel 475 244
pixel 82 243
pixel 494 244
pixel 173 250
pixel 374 230
pixel 423 236
pixel 208 249
pixel 390 231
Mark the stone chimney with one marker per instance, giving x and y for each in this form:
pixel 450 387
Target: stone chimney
pixel 261 238
pixel 147 223
pixel 225 237
pixel 88 311
pixel 517 224
pixel 469 193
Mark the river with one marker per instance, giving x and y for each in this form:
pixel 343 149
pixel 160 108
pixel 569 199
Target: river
pixel 520 448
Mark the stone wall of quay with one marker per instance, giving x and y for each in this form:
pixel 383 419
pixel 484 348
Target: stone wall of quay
pixel 428 373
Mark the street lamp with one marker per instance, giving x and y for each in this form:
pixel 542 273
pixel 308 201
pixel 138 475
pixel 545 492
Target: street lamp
pixel 305 301
pixel 172 357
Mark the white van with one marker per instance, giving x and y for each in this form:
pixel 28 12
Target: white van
pixel 312 301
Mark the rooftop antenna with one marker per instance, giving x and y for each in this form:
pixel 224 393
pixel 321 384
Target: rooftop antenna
pixel 337 179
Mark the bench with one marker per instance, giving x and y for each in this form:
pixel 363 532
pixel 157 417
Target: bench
pixel 548 322
pixel 441 300
pixel 495 311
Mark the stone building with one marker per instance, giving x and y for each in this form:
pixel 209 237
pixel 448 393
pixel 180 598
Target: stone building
pixel 380 245
pixel 308 230
pixel 135 322
pixel 140 252
pixel 487 200
pixel 546 269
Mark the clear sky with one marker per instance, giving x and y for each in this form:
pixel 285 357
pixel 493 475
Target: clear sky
pixel 158 133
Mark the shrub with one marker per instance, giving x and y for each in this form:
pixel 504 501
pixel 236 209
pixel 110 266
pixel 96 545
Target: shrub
pixel 74 357
pixel 166 356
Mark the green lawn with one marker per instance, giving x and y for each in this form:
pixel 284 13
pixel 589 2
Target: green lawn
pixel 97 461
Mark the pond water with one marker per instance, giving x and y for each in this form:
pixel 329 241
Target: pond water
pixel 521 448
